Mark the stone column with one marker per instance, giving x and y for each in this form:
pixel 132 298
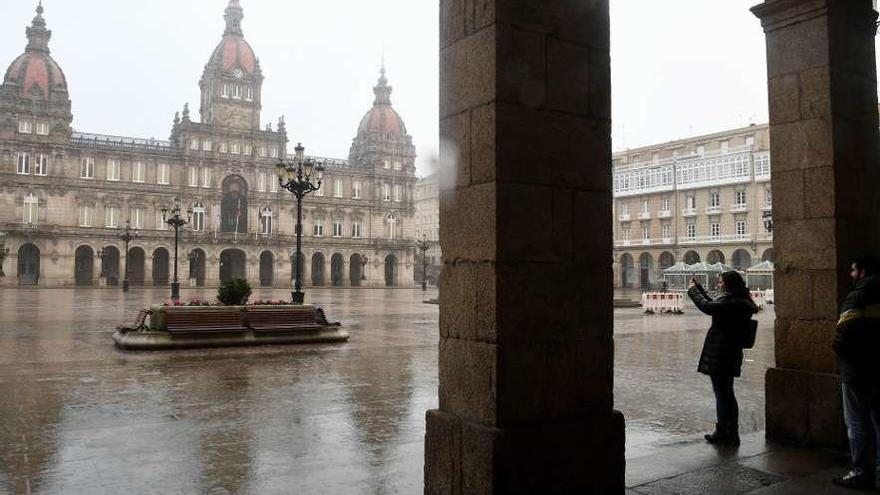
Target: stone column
pixel 826 203
pixel 526 349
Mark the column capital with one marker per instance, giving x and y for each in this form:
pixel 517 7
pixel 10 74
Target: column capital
pixel 776 14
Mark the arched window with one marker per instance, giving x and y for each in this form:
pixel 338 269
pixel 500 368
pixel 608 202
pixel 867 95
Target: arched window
pixel 266 220
pixel 198 219
pixel 31 209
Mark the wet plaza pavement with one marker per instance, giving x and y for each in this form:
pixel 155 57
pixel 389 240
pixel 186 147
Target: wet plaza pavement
pixel 79 416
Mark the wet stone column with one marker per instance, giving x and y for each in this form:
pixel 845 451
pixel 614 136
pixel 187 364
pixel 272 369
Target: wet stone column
pixel 826 208
pixel 526 353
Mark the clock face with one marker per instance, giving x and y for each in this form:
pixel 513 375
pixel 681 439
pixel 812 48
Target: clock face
pixel 238 73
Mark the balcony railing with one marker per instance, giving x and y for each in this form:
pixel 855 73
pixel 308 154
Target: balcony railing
pixel 624 217
pixel 738 208
pixel 717 239
pixel 689 212
pixel 713 210
pixel 664 214
pixel 765 236
pixel 644 215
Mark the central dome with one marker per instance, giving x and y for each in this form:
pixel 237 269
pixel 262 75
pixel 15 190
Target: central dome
pixel 35 72
pixel 382 119
pixel 234 51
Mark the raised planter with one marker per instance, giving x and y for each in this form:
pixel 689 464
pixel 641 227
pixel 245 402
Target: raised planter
pixel 220 326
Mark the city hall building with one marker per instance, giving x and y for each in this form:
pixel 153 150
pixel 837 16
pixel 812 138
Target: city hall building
pixel 66 196
pixel 703 198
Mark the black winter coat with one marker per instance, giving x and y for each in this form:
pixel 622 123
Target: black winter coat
pixel 857 342
pixel 722 354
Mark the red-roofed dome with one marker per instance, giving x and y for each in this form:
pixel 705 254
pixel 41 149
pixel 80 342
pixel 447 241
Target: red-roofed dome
pixel 382 119
pixel 234 51
pixel 35 72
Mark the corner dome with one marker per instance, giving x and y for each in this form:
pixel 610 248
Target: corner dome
pixel 382 119
pixel 233 50
pixel 35 72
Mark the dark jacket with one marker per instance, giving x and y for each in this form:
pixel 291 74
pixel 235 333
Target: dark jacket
pixel 722 354
pixel 857 342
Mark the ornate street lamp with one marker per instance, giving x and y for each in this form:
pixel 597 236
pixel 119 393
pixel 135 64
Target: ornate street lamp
pixel 296 177
pixel 176 222
pixel 767 216
pixel 423 246
pixel 4 251
pixel 126 236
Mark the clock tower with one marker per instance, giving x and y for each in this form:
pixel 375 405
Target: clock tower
pixel 232 81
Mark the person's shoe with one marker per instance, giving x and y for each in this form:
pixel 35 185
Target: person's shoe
pixel 732 435
pixel 717 436
pixel 856 481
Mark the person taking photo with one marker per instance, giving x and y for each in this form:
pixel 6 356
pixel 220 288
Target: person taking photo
pixel 722 354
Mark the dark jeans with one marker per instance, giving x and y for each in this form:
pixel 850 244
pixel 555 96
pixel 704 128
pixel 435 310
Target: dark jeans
pixel 726 408
pixel 861 411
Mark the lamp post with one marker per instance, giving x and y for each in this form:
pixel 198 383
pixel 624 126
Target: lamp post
pixel 4 251
pixel 364 264
pixel 423 246
pixel 175 221
pixel 767 216
pixel 126 236
pixel 296 177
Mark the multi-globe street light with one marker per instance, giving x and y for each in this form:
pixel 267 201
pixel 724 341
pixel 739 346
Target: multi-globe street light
pixel 296 177
pixel 175 221
pixel 126 236
pixel 423 245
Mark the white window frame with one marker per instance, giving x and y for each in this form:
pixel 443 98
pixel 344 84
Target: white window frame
pixel 714 199
pixel 646 233
pixel 356 229
pixel 398 193
pixel 198 220
pixel 41 164
pixel 138 172
pixel 111 217
pixel 338 227
pixel 31 210
pixel 160 223
pixel 42 128
pixel 273 184
pixel 224 147
pixel 87 168
pixel 207 144
pixel 224 90
pixel 741 228
pixel 691 231
pixel 114 169
pixel 261 150
pixel 193 176
pixel 25 126
pixel 23 163
pixel 387 165
pixel 740 198
pixel 247 149
pixel 319 228
pixel 386 192
pixel 206 177
pixel 163 174
pixel 398 165
pixel 236 92
pixel 624 233
pixel 266 221
pixel 235 148
pixel 249 93
pixel 356 189
pixel 194 144
pixel 715 230
pixel 261 182
pixel 337 188
pixel 667 230
pixel 392 223
pixel 86 214
pixel 137 218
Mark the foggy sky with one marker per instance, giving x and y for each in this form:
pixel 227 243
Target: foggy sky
pixel 679 67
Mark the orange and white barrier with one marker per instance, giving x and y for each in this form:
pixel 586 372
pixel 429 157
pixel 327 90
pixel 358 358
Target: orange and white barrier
pixel 662 302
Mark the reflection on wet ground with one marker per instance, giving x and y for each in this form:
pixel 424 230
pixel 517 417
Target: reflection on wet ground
pixel 79 416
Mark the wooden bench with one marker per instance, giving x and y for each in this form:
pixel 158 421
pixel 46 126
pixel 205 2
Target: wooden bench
pixel 204 321
pixel 139 322
pixel 269 319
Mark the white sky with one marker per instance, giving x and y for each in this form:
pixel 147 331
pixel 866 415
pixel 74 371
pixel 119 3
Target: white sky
pixel 679 67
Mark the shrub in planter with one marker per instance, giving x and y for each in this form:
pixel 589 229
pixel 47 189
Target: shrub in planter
pixel 234 293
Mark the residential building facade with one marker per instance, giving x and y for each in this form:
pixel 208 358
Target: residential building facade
pixel 427 199
pixel 65 196
pixel 703 198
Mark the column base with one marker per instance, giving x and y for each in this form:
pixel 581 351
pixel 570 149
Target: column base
pixel 574 456
pixel 804 407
